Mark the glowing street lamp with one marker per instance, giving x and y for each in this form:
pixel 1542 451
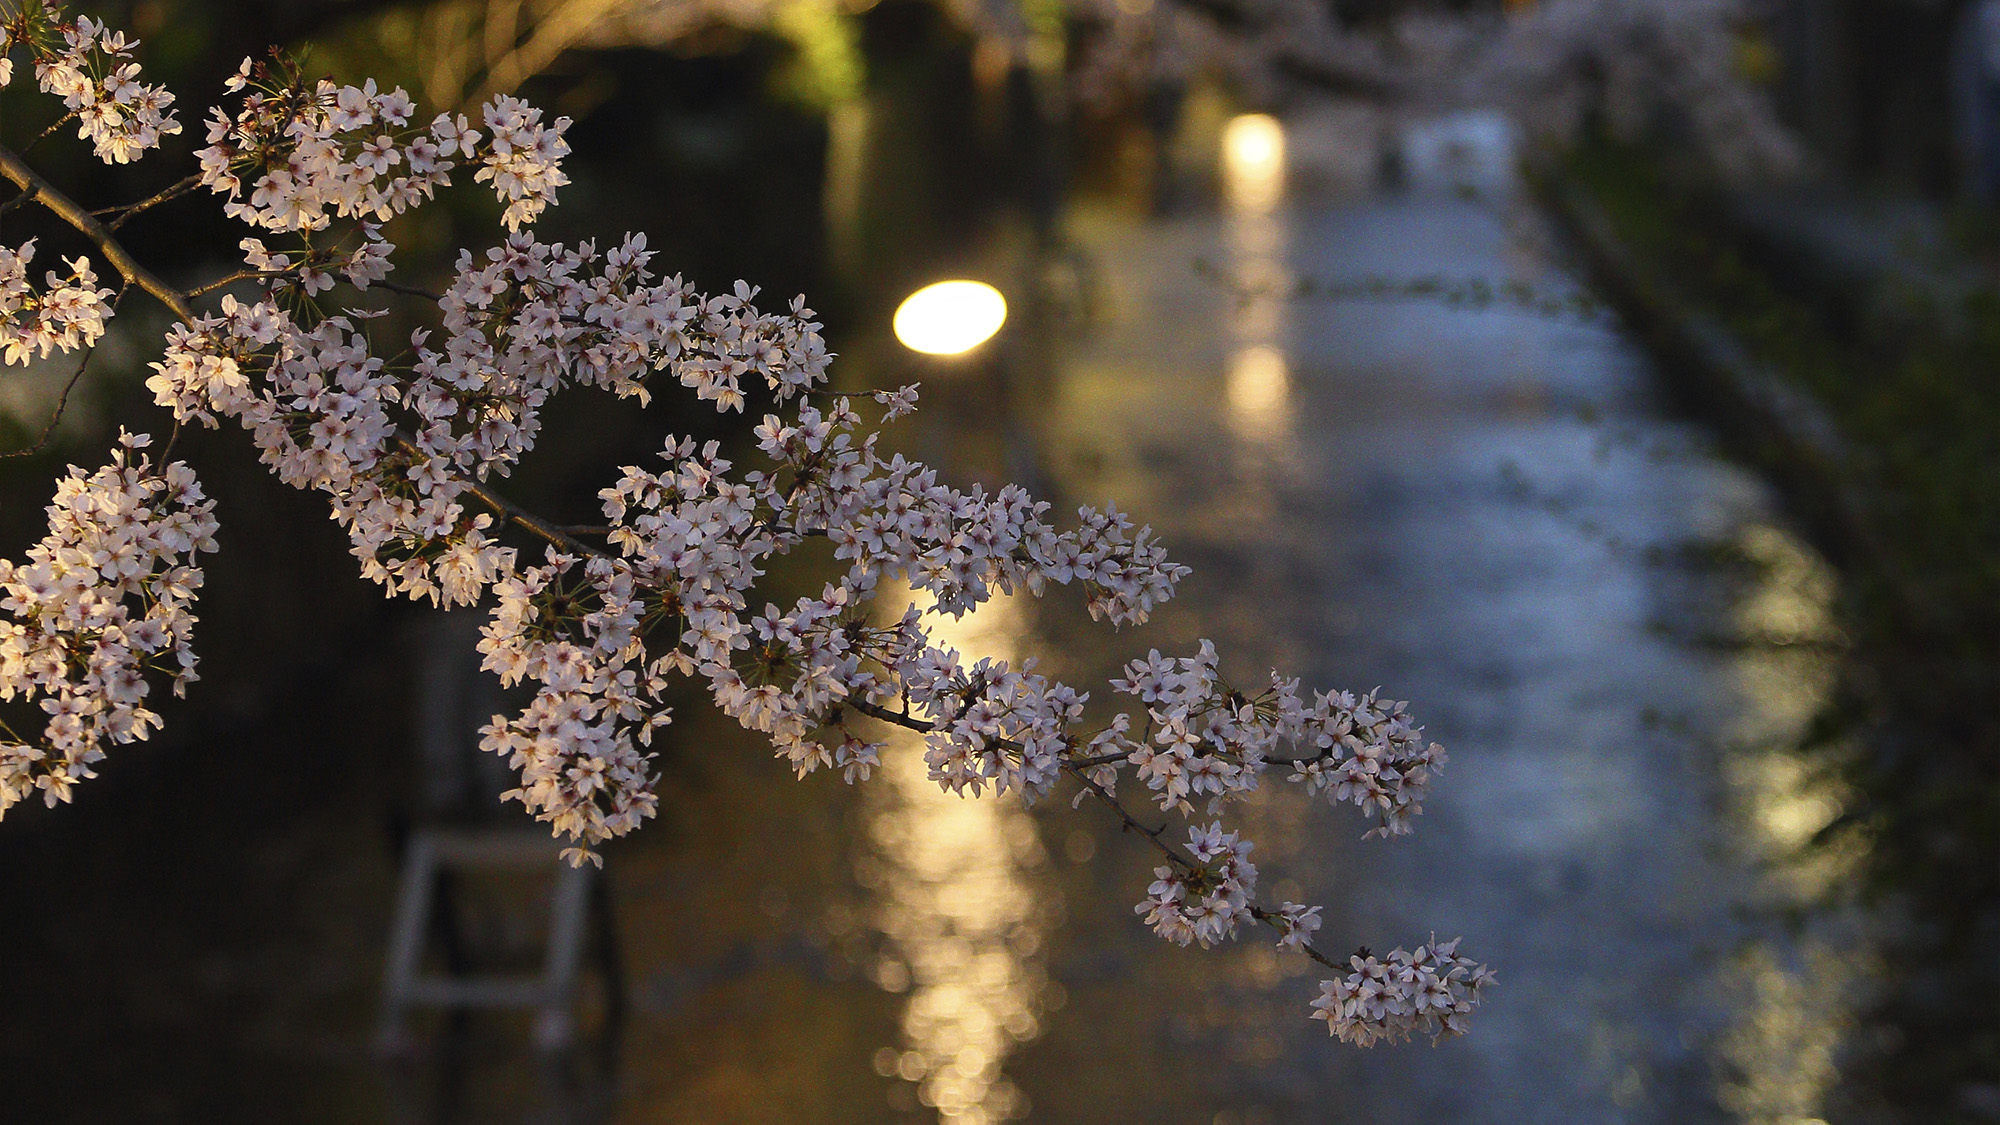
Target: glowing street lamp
pixel 950 317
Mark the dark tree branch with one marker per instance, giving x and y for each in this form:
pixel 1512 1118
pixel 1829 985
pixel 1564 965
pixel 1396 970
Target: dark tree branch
pixel 129 210
pixel 66 209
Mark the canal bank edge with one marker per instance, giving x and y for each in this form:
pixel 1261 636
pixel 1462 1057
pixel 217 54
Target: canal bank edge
pixel 1763 417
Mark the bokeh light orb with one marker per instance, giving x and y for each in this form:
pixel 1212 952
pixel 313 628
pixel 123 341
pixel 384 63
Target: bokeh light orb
pixel 1253 161
pixel 950 317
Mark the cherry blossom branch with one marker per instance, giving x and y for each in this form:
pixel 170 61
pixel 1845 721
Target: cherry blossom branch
pixel 409 291
pixel 923 726
pixel 35 187
pixel 563 537
pixel 66 209
pixel 128 211
pixel 551 533
pixel 22 200
pixel 45 134
pixel 556 535
pixel 1105 797
pixel 1131 823
pixel 402 448
pixel 239 275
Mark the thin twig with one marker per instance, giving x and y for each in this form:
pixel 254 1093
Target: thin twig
pixel 406 290
pixel 174 435
pixel 62 403
pixel 520 517
pixel 66 209
pixel 910 722
pixel 1152 835
pixel 239 275
pixel 26 197
pixel 126 212
pixel 50 131
pixel 527 521
pixel 1131 823
pixel 1276 922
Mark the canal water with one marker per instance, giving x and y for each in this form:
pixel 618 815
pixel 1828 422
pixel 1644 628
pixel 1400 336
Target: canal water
pixel 1489 511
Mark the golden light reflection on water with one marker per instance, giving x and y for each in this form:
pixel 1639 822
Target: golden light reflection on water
pixel 1258 388
pixel 1786 675
pixel 1793 1011
pixel 963 910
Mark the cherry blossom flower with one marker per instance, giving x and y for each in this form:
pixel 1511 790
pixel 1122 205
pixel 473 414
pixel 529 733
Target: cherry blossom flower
pixel 104 599
pixel 602 624
pixel 1429 991
pixel 69 313
pixel 312 151
pixel 81 63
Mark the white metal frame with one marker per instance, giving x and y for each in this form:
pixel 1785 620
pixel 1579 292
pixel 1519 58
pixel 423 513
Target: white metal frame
pixel 433 851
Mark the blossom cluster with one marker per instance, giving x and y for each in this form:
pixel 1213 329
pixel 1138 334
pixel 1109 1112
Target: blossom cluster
pixel 103 599
pixel 669 592
pixel 66 315
pixel 313 151
pixel 84 64
pixel 1296 923
pixel 1644 69
pixel 1265 48
pixel 397 450
pixel 1204 904
pixel 605 619
pixel 574 743
pixel 1209 740
pixel 1370 754
pixel 1429 991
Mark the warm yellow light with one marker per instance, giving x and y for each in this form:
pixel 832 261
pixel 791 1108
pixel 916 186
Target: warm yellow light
pixel 1259 390
pixel 950 317
pixel 1253 161
pixel 1258 382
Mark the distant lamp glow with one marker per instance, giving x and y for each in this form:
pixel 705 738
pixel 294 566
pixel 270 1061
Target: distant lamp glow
pixel 1253 161
pixel 950 317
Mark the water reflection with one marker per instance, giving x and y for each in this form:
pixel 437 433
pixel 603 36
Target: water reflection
pixel 963 910
pixel 1259 390
pixel 1795 1000
pixel 1259 382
